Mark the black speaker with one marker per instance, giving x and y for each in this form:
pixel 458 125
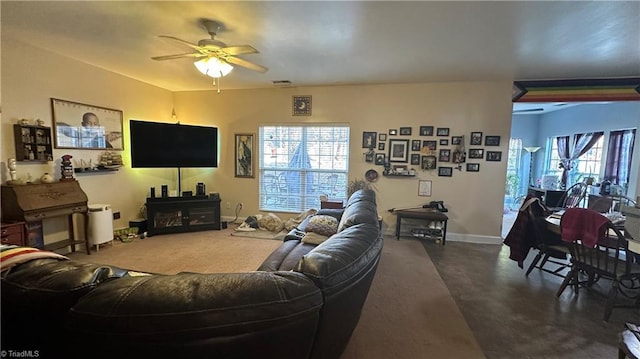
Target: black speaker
pixel 152 190
pixel 165 191
pixel 187 193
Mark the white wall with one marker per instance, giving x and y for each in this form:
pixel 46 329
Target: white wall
pixel 30 77
pixel 474 199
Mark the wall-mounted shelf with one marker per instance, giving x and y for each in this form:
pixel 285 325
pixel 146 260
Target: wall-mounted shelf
pixel 397 175
pixel 33 143
pixel 87 171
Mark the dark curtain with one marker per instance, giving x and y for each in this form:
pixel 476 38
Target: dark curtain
pixel 581 144
pixel 619 156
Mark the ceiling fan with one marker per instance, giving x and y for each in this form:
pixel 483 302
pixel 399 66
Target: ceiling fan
pixel 212 57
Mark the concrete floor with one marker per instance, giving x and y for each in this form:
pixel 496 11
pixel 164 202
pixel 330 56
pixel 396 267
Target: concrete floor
pixel 514 316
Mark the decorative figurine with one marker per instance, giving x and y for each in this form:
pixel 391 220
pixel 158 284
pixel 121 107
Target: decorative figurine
pixel 66 169
pixel 12 169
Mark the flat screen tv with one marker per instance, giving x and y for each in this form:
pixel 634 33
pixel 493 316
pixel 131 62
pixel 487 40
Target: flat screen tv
pixel 167 145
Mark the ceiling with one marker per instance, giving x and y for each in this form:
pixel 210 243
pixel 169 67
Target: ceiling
pixel 337 43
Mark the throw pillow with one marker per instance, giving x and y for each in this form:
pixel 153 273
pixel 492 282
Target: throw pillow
pixel 323 225
pixel 313 238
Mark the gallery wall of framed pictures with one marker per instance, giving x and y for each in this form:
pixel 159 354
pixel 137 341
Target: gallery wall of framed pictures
pixel 443 153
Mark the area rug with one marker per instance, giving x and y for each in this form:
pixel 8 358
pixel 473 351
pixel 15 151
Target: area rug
pixel 260 233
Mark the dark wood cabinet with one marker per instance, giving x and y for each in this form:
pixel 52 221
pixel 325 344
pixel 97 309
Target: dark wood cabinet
pixel 33 143
pixel 182 214
pixel 13 234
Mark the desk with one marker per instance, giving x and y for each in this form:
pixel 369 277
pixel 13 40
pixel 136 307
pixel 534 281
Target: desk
pixel 428 214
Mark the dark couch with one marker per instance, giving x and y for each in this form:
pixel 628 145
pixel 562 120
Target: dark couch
pixel 304 301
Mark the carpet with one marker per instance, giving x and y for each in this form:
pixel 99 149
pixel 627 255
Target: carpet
pixel 260 233
pixel 408 314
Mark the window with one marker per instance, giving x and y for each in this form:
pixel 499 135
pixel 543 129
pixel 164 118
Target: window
pixel 299 163
pixel 514 175
pixel 587 165
pixel 619 155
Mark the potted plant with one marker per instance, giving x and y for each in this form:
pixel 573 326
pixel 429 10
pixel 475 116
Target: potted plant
pixel 357 184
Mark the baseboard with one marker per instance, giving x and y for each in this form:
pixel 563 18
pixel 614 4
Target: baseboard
pixel 473 238
pixel 455 237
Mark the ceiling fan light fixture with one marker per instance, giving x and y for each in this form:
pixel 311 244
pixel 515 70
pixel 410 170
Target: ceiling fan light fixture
pixel 213 67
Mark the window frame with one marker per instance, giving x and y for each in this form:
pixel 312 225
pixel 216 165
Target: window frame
pixel 296 189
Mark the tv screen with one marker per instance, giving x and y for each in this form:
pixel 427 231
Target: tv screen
pixel 159 145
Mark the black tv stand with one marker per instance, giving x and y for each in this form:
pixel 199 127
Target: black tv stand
pixel 182 214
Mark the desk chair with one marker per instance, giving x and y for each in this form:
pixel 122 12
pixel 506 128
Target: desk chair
pixel 551 249
pixel 606 259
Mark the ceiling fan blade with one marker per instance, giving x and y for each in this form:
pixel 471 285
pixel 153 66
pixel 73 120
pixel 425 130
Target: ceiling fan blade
pixel 244 63
pixel 185 42
pixel 178 56
pixel 239 50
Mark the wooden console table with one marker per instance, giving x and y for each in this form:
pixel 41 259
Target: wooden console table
pixel 32 203
pixel 428 214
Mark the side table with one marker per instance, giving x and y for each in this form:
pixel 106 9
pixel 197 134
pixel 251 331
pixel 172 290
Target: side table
pixel 428 214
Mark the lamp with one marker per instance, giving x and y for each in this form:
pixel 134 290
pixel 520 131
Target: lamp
pixel 213 67
pixel 531 151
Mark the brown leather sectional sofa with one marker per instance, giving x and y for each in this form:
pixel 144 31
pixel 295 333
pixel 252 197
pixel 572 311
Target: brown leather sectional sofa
pixel 304 301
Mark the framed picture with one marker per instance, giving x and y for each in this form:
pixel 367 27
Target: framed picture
pixel 415 159
pixel 405 131
pixel 442 131
pixel 456 140
pixel 494 156
pixel 459 156
pixel 368 157
pixel 473 167
pixel 492 141
pixel 382 137
pixel 445 171
pixel 80 126
pixel 398 150
pixel 301 105
pixel 393 132
pixel 431 145
pixel 381 146
pixel 244 155
pixel 424 188
pixel 444 142
pixel 426 130
pixel 369 139
pixel 445 155
pixel 476 153
pixel 416 145
pixel 380 159
pixel 429 162
pixel 476 138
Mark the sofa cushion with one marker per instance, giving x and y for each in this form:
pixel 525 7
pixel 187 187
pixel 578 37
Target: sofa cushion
pixel 219 315
pixel 313 238
pixel 322 225
pixel 287 256
pixel 361 208
pixel 333 212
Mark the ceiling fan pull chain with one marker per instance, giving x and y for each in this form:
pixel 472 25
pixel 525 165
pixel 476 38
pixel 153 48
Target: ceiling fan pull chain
pixel 216 84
